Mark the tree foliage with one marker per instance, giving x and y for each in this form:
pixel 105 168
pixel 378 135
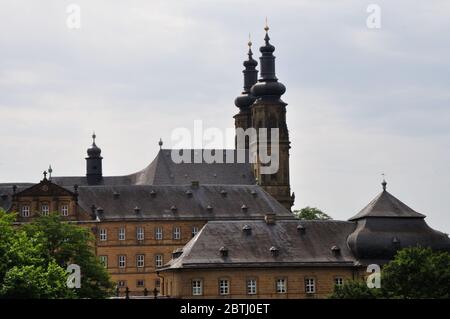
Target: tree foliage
pixel 34 258
pixel 311 213
pixel 414 272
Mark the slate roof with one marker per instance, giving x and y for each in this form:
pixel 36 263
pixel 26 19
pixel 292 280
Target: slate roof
pixel 386 205
pixel 294 248
pixel 164 171
pixel 6 192
pixel 180 202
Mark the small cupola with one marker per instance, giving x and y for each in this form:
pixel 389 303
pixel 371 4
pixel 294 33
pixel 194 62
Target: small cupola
pixel 94 159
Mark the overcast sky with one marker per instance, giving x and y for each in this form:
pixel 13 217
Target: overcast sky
pixel 362 101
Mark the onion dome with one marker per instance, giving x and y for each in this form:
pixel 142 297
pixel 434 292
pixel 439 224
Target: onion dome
pixel 246 99
pixel 268 87
pixel 94 150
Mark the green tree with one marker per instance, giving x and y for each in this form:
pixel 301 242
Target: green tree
pixel 414 272
pixel 311 213
pixel 34 258
pixel 354 289
pixel 417 272
pixel 67 244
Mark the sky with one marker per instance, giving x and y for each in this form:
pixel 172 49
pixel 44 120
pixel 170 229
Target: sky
pixel 361 101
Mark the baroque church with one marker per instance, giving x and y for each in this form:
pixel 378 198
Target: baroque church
pixel 222 230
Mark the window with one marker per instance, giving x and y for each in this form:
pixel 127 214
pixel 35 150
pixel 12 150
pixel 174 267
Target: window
pixel 224 287
pixel 140 233
pixel 122 233
pixel 338 281
pixel 176 233
pixel 140 261
pixel 122 261
pixel 197 287
pixel 158 233
pixel 140 283
pixel 158 260
pixel 25 211
pixel 103 234
pixel 65 210
pixel 45 209
pixel 194 231
pixel 281 286
pixel 251 286
pixel 121 283
pixel 104 261
pixel 310 285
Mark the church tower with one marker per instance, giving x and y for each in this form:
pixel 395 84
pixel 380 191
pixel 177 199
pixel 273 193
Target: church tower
pixel 269 111
pixel 245 100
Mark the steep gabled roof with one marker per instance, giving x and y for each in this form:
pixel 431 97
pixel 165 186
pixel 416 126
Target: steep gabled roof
pixel 386 205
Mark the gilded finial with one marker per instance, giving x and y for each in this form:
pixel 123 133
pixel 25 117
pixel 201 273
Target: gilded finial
pixel 249 40
pixel 93 137
pixel 160 143
pixel 384 183
pixel 266 28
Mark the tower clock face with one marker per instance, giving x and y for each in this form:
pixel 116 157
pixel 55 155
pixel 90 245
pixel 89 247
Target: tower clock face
pixel 45 188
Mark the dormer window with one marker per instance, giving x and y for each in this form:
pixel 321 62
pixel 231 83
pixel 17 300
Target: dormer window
pixel 244 208
pixel 223 251
pixel 274 251
pixel 247 230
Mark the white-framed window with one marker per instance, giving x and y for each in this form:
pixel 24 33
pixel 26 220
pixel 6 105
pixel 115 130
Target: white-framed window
pixel 64 210
pixel 194 231
pixel 121 283
pixel 158 260
pixel 140 283
pixel 25 211
pixel 122 261
pixel 103 234
pixel 224 287
pixel 310 285
pixel 45 209
pixel 176 233
pixel 197 287
pixel 339 281
pixel 140 233
pixel 122 233
pixel 158 233
pixel 251 286
pixel 281 285
pixel 140 261
pixel 104 261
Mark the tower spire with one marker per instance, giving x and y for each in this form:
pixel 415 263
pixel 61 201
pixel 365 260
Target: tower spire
pixel 268 87
pixel 250 78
